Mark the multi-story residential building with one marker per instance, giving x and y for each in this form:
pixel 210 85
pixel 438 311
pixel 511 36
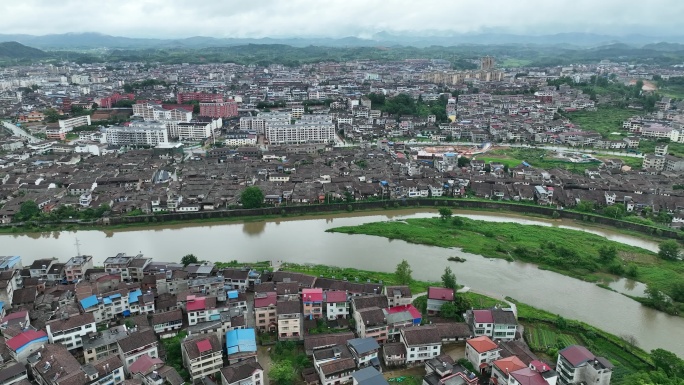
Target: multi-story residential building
pixel 155 112
pixel 202 356
pixel 312 303
pixel 137 344
pixel 365 352
pixel 70 330
pixel 236 279
pixel 40 268
pixel 202 309
pixel 265 311
pixel 247 372
pixel 240 345
pixel 226 109
pixel 443 370
pixel 147 134
pixel 70 124
pixel 8 284
pixel 196 130
pixel 204 97
pixel 399 317
pixel 397 295
pixel 371 322
pixel 167 324
pixel 541 374
pixel 498 324
pixel 334 365
pixel 577 365
pixel 482 351
pixel 336 305
pixel 119 265
pixel 438 296
pixel 103 344
pixel 421 342
pixel 76 267
pixel 109 305
pixel 240 138
pixel 54 365
pixel 289 315
pixel 653 162
pixel 311 130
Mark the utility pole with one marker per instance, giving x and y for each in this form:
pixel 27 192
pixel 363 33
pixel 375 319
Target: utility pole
pixel 78 247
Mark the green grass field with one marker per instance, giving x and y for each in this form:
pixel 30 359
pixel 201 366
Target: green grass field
pixel 570 252
pixel 604 121
pixel 514 62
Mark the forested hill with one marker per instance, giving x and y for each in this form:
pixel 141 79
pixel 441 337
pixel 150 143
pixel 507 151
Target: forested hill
pixel 14 50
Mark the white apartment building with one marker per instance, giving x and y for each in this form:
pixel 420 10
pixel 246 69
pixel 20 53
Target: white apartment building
pixel 70 330
pixel 303 131
pixel 198 130
pixel 241 138
pixel 155 112
pixel 247 372
pixel 149 134
pixel 422 343
pixel 70 124
pixel 136 345
pixel 482 350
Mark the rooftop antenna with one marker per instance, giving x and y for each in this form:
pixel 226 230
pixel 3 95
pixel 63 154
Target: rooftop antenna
pixel 78 247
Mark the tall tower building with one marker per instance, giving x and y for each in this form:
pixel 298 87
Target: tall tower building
pixel 486 63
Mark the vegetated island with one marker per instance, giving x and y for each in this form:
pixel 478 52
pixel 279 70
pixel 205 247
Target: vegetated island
pixel 574 253
pixel 544 332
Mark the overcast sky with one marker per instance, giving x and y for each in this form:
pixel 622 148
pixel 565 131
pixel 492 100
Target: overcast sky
pixel 338 18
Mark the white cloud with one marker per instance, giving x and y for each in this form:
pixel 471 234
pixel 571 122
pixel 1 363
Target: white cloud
pixel 337 18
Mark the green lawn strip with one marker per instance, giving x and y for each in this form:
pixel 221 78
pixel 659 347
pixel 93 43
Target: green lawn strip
pixel 569 252
pixel 605 120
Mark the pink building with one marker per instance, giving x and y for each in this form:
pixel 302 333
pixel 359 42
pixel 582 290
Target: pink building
pixel 198 96
pixel 312 300
pixel 226 109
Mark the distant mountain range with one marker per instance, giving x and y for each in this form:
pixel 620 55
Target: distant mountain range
pixel 91 40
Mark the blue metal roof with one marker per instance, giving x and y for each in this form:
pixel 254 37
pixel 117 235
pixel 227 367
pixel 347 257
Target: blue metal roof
pixel 117 295
pixel 89 302
pixel 133 296
pixel 240 341
pixel 106 301
pixel 233 294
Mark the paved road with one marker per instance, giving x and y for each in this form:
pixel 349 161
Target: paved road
pixel 16 131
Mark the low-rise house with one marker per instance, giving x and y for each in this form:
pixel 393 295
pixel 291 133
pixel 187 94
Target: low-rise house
pixel 54 365
pixel 371 322
pixel 76 267
pixel 167 324
pixel 137 344
pixel 202 309
pixel 481 352
pixel 576 364
pixel 13 373
pixel 334 365
pixel 442 370
pixel 314 342
pixel 202 356
pixel 452 332
pixel 438 296
pixel 394 354
pixel 365 352
pixel 502 367
pixel 240 345
pixel 236 279
pixel 25 343
pixel 99 345
pixel 498 324
pixel 534 375
pixel 398 295
pixel 70 330
pixel 368 376
pixel 247 372
pixel 289 320
pixel 399 317
pixel 421 342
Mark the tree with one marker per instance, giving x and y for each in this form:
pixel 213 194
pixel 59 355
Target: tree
pixel 678 291
pixel 403 273
pixel 615 211
pixel 668 362
pixel 188 259
pixel 27 211
pixel 449 279
pixel 282 372
pixel 654 295
pixel 463 161
pixel 252 197
pixel 445 213
pixel 449 311
pixel 669 250
pixel 420 303
pixel 607 253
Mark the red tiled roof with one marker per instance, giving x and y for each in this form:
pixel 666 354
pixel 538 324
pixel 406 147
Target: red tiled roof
pixel 24 338
pixel 335 296
pixel 312 295
pixel 483 316
pixel 576 354
pixel 482 344
pixel 509 364
pixel 203 346
pixel 527 376
pixel 415 313
pixel 440 293
pixel 269 299
pixel 19 314
pixel 143 364
pixel 196 304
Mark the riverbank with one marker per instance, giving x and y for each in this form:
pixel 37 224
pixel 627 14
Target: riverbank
pixel 228 216
pixel 545 332
pixel 577 254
